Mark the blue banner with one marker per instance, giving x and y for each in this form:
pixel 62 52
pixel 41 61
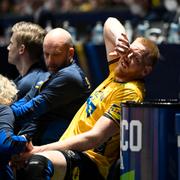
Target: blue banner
pixel 148 142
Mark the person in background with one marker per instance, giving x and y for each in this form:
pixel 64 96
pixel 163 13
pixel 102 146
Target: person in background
pixel 90 145
pixel 25 52
pixel 10 144
pixel 46 111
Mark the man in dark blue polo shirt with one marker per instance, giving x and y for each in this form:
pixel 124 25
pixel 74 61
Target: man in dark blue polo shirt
pixel 25 52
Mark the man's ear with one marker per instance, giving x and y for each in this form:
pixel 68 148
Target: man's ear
pixel 21 49
pixel 147 70
pixel 71 52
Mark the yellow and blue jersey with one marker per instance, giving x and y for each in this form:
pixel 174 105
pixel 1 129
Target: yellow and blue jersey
pixel 105 101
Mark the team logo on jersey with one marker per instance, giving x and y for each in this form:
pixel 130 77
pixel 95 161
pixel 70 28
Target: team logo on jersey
pixel 39 84
pixel 93 101
pixel 114 112
pixel 75 173
pixel 90 107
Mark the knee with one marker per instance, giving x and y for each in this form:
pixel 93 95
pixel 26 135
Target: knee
pixel 39 168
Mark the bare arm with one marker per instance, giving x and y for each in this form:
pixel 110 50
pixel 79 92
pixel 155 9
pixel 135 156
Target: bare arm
pixel 102 131
pixel 114 32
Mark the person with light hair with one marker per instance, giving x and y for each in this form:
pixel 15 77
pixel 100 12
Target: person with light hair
pixel 8 91
pixel 25 51
pixel 10 144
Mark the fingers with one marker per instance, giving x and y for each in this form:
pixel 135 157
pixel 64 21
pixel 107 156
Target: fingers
pixel 29 146
pixel 124 36
pixel 122 45
pixel 130 54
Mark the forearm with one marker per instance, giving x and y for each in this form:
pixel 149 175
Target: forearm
pixel 30 110
pixel 79 142
pixel 18 103
pixel 10 143
pixel 113 30
pixel 98 135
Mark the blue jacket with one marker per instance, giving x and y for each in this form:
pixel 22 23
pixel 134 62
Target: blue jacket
pixel 50 105
pixel 24 83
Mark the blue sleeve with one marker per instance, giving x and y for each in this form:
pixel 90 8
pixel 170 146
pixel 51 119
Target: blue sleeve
pixel 19 102
pixel 11 144
pixel 66 87
pixel 61 90
pixel 6 118
pixel 30 110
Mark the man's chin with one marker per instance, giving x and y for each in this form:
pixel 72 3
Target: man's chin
pixel 51 69
pixel 120 72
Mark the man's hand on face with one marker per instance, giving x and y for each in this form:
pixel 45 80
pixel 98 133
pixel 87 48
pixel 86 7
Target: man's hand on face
pixel 122 46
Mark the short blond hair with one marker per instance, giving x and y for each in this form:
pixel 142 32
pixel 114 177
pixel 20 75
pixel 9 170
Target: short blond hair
pixel 8 91
pixel 31 35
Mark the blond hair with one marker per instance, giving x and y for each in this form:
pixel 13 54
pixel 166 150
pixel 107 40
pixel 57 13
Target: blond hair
pixel 31 35
pixel 8 91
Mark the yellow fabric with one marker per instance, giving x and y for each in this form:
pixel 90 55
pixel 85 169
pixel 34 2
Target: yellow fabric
pixel 82 57
pixel 156 3
pixel 104 101
pixel 112 67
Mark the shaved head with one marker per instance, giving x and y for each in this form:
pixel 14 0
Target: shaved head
pixel 58 49
pixel 59 35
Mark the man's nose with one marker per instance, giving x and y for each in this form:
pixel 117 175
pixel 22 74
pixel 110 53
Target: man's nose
pixel 49 59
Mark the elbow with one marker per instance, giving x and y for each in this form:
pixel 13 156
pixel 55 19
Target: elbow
pixel 109 19
pixel 112 21
pixel 95 142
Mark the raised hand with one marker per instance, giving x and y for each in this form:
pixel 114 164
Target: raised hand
pixel 122 46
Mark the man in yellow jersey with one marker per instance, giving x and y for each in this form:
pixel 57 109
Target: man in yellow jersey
pixel 90 145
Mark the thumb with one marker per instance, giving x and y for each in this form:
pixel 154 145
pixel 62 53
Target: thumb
pixel 114 53
pixel 29 146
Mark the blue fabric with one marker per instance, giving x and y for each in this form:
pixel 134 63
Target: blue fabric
pixel 6 172
pixel 55 100
pixel 19 103
pixel 30 110
pixel 10 144
pixel 6 118
pixel 49 170
pixel 177 123
pixel 24 83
